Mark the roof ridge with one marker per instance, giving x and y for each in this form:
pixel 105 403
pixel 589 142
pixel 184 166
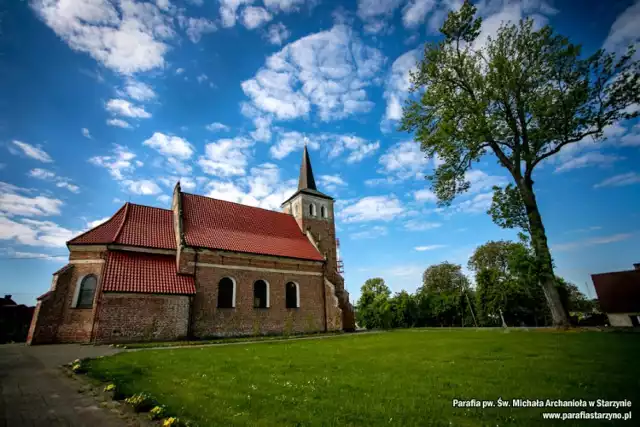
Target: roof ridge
pixel 124 220
pixel 239 204
pixel 97 226
pixel 150 207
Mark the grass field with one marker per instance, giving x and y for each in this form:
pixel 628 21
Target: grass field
pixel 403 378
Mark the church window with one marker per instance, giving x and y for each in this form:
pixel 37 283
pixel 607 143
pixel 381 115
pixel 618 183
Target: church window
pixel 261 294
pixel 226 293
pixel 292 295
pixel 323 212
pixel 312 209
pixel 87 291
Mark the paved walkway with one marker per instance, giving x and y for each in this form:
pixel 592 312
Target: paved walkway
pixel 34 392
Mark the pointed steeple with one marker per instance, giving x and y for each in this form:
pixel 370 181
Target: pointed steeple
pixel 306 181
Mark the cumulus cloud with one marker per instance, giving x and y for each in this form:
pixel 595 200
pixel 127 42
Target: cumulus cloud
pixel 122 107
pixel 17 201
pixel 277 33
pixel 195 28
pixel 481 181
pixel 186 183
pixel 32 151
pixel 355 147
pixel 144 187
pixel 60 182
pixel 97 222
pixel 624 30
pixel 291 141
pixel 418 225
pixel 372 208
pixel 125 36
pixel 425 195
pixel 118 163
pixel 119 123
pixel 262 187
pixel 587 160
pixel 139 91
pixel 429 247
pixel 86 133
pixel 254 17
pixel 170 145
pixel 217 126
pixel 328 70
pixel 331 182
pixel 226 157
pixel 404 160
pixel 397 87
pixel 33 232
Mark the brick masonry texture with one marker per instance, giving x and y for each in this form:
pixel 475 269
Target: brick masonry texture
pixel 125 317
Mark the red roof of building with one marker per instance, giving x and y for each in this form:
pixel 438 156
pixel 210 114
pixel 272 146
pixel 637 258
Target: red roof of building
pixel 218 224
pixel 134 225
pixel 145 273
pixel 618 292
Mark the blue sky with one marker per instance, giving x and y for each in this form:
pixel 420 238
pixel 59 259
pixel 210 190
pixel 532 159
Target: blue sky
pixel 109 101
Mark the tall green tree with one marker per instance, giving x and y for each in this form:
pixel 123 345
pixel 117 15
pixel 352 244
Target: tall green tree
pixel 521 95
pixel 445 294
pixel 373 309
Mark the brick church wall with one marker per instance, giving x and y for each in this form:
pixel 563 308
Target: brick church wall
pixel 130 317
pixel 209 320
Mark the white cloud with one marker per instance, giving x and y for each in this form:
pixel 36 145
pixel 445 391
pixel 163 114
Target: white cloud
pixel 164 199
pixel 359 148
pixel 13 201
pixel 291 141
pixel 47 175
pixel 121 161
pixel 624 30
pixel 180 71
pixel 481 181
pixel 126 37
pixel 97 222
pixel 202 77
pixel 283 5
pixel 331 182
pixel 375 12
pixel 263 129
pixel 588 159
pixel 170 145
pixel 119 123
pixel 86 133
pixel 370 233
pixel 429 247
pixel 34 232
pixel 228 11
pixel 32 151
pixel 328 70
pixel 262 187
pixel 592 242
pixel 186 183
pixel 122 107
pixel 139 91
pixel 404 160
pixel 217 126
pixel 34 255
pixel 620 180
pixel 278 33
pixel 479 203
pixel 372 208
pixel 143 187
pixel 415 12
pixel 163 4
pixel 417 225
pixel 226 157
pixel 195 28
pixel 253 17
pixel 425 195
pixel 397 87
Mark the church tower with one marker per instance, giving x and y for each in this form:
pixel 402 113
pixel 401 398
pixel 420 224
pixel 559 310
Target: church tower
pixel 313 211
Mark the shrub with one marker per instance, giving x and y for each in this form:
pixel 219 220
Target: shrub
pixel 78 367
pixel 141 402
pixel 110 387
pixel 157 412
pixel 173 422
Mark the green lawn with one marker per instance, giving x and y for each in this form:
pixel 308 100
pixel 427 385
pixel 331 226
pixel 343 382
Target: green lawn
pixel 403 378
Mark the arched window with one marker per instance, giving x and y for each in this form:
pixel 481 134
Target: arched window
pixel 86 291
pixel 261 294
pixel 226 293
pixel 323 212
pixel 292 295
pixel 312 209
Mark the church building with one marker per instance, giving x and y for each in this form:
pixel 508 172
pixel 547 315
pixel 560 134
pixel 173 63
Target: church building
pixel 204 268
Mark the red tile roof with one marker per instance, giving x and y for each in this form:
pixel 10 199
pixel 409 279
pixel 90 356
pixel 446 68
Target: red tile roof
pixel 134 225
pixel 618 292
pixel 218 224
pixel 145 273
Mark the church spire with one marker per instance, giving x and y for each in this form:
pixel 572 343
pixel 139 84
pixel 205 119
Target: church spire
pixel 306 181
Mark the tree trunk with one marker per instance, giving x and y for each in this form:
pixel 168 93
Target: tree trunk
pixel 546 276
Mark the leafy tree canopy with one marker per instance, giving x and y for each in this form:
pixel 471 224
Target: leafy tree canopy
pixel 444 278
